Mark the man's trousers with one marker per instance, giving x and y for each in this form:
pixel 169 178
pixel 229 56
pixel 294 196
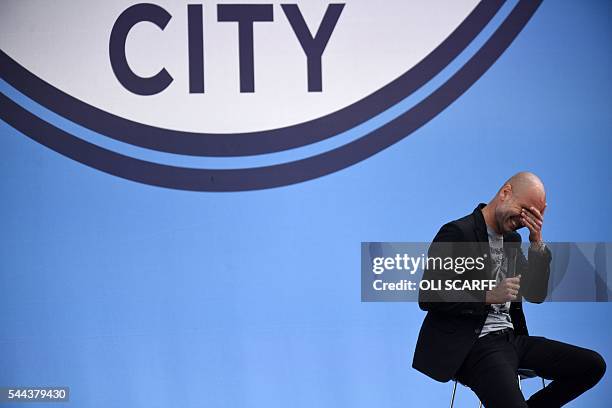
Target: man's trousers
pixel 490 370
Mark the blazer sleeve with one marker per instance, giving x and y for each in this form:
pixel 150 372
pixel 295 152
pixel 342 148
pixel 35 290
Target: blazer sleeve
pixel 535 274
pixel 465 302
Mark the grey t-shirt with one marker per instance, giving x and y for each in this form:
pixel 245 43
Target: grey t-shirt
pixel 499 317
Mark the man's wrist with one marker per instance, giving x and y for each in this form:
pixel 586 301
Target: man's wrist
pixel 537 246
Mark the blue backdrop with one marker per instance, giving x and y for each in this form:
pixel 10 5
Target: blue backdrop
pixel 139 296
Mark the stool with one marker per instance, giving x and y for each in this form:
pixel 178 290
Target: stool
pixel 522 374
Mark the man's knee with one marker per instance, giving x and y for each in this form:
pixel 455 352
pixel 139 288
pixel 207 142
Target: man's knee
pixel 594 366
pixel 598 365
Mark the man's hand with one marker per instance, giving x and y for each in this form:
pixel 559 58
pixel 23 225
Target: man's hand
pixel 533 220
pixel 506 291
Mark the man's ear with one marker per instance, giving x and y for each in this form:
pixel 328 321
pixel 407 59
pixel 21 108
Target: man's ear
pixel 505 192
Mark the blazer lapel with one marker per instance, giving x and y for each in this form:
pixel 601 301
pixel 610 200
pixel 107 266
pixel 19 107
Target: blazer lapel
pixel 482 238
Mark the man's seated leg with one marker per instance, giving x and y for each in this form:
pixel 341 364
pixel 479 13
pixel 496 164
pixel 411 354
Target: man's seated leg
pixel 490 371
pixel 573 369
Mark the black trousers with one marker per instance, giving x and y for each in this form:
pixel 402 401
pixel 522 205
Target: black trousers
pixel 490 370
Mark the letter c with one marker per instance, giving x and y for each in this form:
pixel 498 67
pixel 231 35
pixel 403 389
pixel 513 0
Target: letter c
pixel 116 47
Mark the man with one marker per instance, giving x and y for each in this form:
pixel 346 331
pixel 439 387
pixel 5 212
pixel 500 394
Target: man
pixel 480 338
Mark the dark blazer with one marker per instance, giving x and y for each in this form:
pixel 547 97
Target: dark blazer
pixel 451 327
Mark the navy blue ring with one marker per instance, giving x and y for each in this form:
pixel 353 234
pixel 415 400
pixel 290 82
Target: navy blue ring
pixel 280 174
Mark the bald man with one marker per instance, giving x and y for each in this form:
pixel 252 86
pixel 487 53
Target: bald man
pixel 480 337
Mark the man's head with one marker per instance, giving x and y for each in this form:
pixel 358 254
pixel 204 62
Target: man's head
pixel 522 191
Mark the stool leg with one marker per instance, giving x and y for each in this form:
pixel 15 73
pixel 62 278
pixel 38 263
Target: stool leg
pixel 543 383
pixel 453 396
pixel 519 382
